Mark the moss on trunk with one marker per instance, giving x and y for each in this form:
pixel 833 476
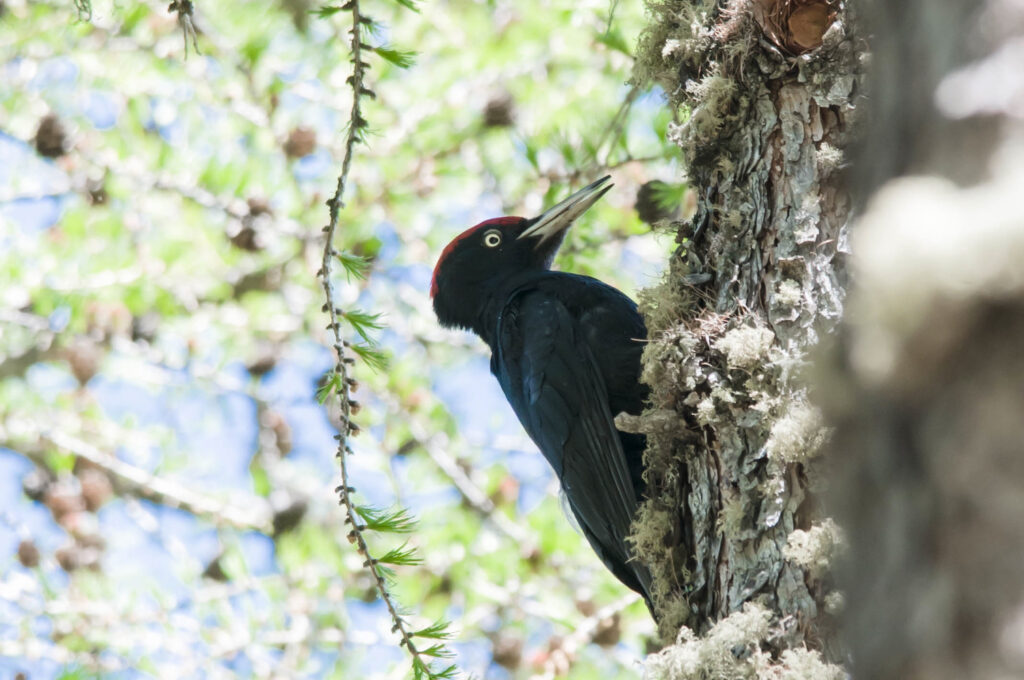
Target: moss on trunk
pixel 757 279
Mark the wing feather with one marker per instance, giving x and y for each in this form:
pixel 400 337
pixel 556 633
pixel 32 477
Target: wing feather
pixel 550 375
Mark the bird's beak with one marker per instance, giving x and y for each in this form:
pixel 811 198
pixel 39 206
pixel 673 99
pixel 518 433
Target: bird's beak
pixel 557 219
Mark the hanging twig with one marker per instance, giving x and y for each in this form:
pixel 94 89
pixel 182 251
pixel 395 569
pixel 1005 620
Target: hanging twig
pixel 185 9
pixel 254 516
pixel 340 383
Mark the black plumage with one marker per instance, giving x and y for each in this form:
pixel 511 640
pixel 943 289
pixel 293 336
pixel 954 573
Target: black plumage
pixel 566 351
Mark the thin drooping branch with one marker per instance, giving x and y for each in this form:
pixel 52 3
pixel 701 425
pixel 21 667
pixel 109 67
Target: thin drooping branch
pixel 255 516
pixel 341 383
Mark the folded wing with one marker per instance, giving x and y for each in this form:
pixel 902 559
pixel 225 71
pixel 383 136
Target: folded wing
pixel 548 371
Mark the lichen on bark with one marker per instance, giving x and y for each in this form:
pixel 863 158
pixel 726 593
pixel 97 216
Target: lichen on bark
pixel 757 278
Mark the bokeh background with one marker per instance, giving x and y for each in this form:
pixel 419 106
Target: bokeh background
pixel 167 474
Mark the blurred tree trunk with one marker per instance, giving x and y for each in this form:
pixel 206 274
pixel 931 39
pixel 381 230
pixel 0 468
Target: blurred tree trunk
pixel 926 387
pixel 737 540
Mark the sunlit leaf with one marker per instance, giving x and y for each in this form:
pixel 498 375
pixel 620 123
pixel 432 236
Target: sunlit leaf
pixel 438 630
pixel 376 519
pixel 400 58
pixel 401 556
pixel 355 266
pixel 374 357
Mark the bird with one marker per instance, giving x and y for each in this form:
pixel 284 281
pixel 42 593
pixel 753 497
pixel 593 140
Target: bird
pixel 566 350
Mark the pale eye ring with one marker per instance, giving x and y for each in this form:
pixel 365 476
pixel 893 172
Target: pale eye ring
pixel 492 239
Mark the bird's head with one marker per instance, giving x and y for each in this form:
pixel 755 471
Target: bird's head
pixel 475 265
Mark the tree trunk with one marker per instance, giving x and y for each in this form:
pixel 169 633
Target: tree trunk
pixel 927 383
pixel 737 540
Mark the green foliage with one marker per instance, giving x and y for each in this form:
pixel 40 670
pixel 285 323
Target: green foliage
pixel 422 670
pixel 373 357
pixel 84 8
pixel 185 249
pixel 400 58
pixel 355 266
pixel 395 521
pixel 615 40
pixel 327 10
pixel 332 385
pixel 363 323
pixel 77 674
pixel 436 631
pixel 669 196
pixel 400 557
pixel 409 4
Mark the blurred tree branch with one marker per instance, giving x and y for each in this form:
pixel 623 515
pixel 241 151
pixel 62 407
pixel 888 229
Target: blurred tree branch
pixel 253 515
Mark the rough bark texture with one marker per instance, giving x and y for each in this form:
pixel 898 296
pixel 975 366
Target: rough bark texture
pixel 739 546
pixel 926 387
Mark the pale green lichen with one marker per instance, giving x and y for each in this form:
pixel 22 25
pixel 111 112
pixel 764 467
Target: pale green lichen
pixel 829 158
pixel 649 529
pixel 652 523
pixel 667 364
pixel 725 165
pixel 788 293
pixel 675 34
pixel 735 649
pixel 745 347
pixel 724 652
pixel 705 411
pixel 731 220
pixel 672 47
pixel 815 550
pixel 714 96
pixel 664 304
pixel 731 516
pixel 731 385
pixel 722 395
pixel 797 435
pixel 835 603
pixel 798 664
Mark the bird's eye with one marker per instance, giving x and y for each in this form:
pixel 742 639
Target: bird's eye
pixel 492 239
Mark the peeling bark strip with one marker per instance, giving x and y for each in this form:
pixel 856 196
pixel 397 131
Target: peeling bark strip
pixel 796 26
pixel 757 279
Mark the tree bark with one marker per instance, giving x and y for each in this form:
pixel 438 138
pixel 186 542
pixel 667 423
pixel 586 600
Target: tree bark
pixel 926 386
pixel 739 545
